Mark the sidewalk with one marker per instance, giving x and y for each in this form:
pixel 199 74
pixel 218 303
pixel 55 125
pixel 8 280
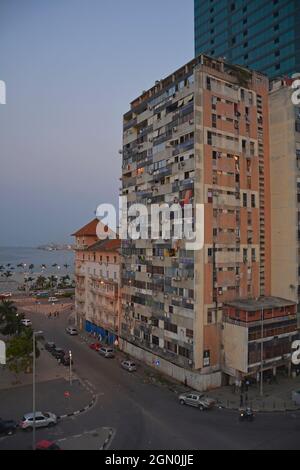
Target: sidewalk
pixel 57 396
pixel 47 368
pixel 276 397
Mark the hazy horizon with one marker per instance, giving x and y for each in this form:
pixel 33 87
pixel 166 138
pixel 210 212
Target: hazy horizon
pixel 71 69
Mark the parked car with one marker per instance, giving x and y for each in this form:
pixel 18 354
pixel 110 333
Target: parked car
pixel 53 300
pixel 26 322
pixel 129 366
pixel 95 346
pixel 47 445
pixel 107 352
pixel 5 295
pixel 197 400
pixel 7 428
pixel 72 331
pixel 50 346
pixel 58 353
pixel 65 360
pixel 42 420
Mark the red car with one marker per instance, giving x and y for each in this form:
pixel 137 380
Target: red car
pixel 47 445
pixel 95 346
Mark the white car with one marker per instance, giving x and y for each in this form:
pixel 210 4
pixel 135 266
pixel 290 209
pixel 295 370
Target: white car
pixel 53 300
pixel 129 366
pixel 42 420
pixel 26 322
pixel 72 331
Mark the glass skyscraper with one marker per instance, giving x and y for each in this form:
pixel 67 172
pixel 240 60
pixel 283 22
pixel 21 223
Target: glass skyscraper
pixel 261 34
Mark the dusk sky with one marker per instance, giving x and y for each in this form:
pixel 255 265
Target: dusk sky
pixel 71 68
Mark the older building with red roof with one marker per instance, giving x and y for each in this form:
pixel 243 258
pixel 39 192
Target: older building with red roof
pixel 97 273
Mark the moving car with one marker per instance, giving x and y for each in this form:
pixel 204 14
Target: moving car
pixel 197 400
pixel 129 366
pixel 107 352
pixel 58 353
pixel 7 428
pixel 95 346
pixel 50 346
pixel 72 331
pixel 53 300
pixel 42 420
pixel 26 322
pixel 47 445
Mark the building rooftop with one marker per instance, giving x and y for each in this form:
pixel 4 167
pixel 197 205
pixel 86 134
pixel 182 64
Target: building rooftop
pixel 216 65
pixel 106 245
pixel 253 305
pixel 87 230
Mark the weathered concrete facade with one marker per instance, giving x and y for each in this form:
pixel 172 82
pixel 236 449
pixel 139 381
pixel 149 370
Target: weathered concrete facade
pixel 201 137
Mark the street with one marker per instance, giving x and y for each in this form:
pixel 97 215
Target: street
pixel 147 416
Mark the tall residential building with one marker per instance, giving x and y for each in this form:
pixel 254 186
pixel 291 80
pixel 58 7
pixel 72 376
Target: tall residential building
pixel 263 35
pixel 285 190
pixel 97 273
pixel 200 136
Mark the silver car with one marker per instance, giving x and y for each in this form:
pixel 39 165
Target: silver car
pixel 129 366
pixel 108 353
pixel 72 331
pixel 42 420
pixel 198 400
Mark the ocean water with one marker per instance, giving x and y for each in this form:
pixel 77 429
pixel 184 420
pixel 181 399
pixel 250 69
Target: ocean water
pixel 15 256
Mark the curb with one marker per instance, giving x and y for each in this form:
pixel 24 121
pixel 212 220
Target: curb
pixel 261 410
pixel 107 440
pixel 78 412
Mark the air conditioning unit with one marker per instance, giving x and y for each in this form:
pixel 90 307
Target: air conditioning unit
pixel 191 122
pixel 175 129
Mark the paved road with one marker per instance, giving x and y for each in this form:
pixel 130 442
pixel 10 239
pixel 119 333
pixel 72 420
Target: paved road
pixel 149 417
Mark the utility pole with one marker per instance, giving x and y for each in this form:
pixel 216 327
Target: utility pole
pixel 34 335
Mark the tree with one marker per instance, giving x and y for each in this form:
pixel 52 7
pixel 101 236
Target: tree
pixel 7 274
pixel 19 352
pixel 10 320
pixel 52 281
pixel 31 267
pixel 66 266
pixel 40 282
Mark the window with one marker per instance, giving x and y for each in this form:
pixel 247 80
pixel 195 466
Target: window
pixel 245 200
pixel 155 340
pixel 253 201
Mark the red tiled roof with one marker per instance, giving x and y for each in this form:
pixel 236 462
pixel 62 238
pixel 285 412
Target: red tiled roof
pixel 87 230
pixel 106 245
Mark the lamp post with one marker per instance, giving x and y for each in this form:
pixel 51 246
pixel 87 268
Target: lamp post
pixel 34 335
pixel 262 355
pixel 70 356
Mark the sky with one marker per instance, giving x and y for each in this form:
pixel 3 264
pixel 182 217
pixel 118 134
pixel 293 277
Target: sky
pixel 71 69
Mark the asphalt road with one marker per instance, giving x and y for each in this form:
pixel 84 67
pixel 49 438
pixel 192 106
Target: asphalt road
pixel 149 417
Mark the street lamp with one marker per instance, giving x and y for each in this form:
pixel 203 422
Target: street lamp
pixel 70 356
pixel 34 335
